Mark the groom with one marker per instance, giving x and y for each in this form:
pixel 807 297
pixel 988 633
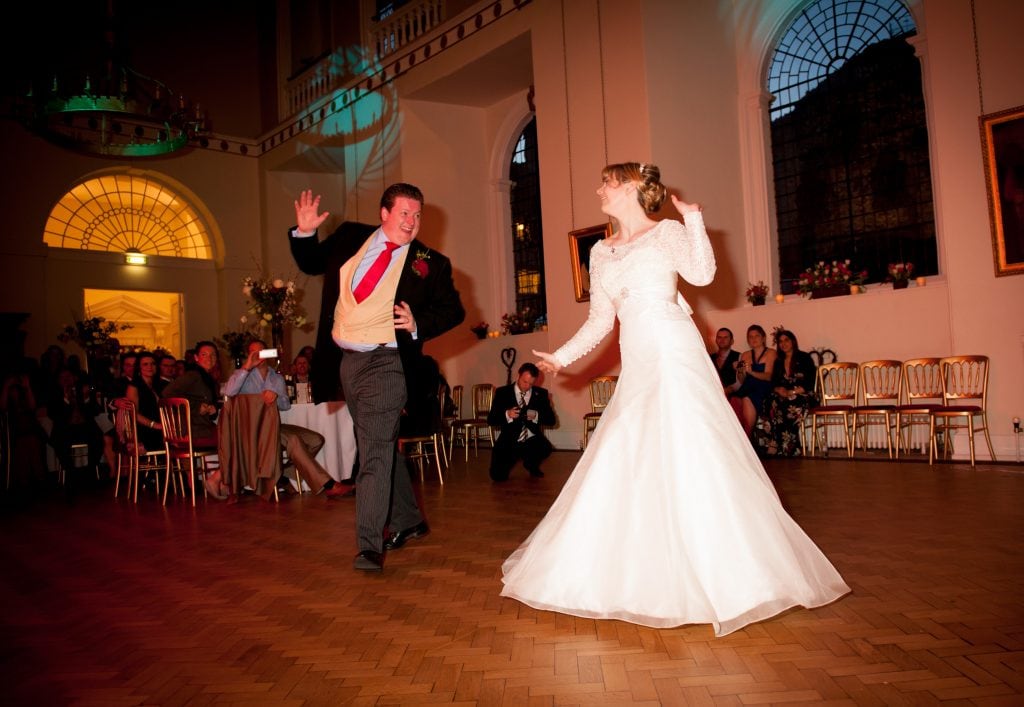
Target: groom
pixel 384 294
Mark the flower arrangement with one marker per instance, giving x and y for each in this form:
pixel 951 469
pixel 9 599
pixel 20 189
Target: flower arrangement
pixel 480 330
pixel 756 292
pixel 825 275
pixel 235 342
pixel 516 322
pixel 900 272
pixel 273 302
pixel 95 335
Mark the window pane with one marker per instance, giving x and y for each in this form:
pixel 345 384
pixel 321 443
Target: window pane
pixel 115 213
pixel 527 234
pixel 850 142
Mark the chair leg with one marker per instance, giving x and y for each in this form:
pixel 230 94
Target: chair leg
pixel 439 439
pixel 970 437
pixel 932 446
pixel 988 440
pixel 167 478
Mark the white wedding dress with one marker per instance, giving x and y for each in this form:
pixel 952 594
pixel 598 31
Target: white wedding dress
pixel 669 517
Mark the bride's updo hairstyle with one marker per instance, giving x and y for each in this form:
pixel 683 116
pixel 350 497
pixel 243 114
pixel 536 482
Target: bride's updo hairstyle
pixel 650 192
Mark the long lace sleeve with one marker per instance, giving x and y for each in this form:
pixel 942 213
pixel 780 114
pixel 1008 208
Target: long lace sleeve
pixel 599 322
pixel 693 255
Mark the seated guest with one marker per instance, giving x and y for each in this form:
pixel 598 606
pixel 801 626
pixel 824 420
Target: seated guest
pixel 793 380
pixel 300 374
pixel 519 410
pixel 725 359
pixel 257 377
pixel 168 367
pixel 44 378
pixel 27 439
pixel 119 385
pixel 144 391
pixel 753 378
pixel 73 411
pixel 197 386
pixel 115 391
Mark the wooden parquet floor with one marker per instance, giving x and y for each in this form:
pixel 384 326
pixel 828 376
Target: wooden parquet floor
pixel 109 603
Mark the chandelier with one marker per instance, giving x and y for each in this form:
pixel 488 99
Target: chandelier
pixel 102 106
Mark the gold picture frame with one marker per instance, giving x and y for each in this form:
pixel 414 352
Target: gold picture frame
pixel 580 243
pixel 1002 139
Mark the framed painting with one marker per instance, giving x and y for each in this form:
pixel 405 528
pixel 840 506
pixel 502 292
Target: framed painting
pixel 1002 138
pixel 580 243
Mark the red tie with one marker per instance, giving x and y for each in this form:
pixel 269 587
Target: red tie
pixel 375 273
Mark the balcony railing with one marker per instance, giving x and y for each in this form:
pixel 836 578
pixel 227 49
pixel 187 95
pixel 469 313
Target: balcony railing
pixel 405 25
pixel 382 39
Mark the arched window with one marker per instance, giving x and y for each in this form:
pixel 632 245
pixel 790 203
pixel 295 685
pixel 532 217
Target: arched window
pixel 850 141
pixel 123 212
pixel 527 236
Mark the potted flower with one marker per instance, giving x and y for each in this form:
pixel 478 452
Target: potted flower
pixel 480 330
pixel 757 292
pixel 516 322
pixel 900 274
pixel 235 342
pixel 829 279
pixel 96 336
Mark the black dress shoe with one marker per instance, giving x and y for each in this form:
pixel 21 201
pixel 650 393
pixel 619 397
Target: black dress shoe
pixel 369 561
pixel 535 472
pixel 403 536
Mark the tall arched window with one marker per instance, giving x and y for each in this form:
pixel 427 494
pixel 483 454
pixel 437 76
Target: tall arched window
pixel 850 141
pixel 527 236
pixel 125 212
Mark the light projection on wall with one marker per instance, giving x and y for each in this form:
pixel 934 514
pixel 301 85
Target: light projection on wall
pixel 127 212
pixel 355 129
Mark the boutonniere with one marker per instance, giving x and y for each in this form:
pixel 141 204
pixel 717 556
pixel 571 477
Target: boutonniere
pixel 419 265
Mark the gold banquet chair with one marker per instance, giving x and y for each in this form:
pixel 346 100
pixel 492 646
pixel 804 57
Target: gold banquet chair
pixel 601 390
pixel 880 385
pixel 965 393
pixel 447 421
pixel 837 390
pixel 435 439
pixel 481 395
pixel 176 420
pixel 130 457
pixel 922 392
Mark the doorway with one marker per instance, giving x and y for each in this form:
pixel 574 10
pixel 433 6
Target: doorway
pixel 156 318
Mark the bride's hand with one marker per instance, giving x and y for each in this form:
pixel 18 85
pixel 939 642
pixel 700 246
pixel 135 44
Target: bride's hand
pixel 684 208
pixel 547 362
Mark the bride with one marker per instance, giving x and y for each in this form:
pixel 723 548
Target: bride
pixel 669 517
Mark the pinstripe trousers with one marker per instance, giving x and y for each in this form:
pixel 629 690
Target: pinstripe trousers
pixel 375 392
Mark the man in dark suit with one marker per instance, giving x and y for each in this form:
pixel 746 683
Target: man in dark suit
pixel 519 410
pixel 384 294
pixel 725 360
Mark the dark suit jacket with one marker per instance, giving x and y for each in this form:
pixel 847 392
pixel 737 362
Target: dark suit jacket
pixel 195 387
pixel 432 297
pixel 505 398
pixel 727 373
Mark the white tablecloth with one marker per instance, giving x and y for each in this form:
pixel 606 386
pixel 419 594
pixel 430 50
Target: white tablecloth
pixel 334 422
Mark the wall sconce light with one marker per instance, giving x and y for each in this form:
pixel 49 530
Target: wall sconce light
pixel 133 257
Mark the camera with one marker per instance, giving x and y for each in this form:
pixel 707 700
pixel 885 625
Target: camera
pixel 268 353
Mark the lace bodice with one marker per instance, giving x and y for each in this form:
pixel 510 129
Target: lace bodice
pixel 646 269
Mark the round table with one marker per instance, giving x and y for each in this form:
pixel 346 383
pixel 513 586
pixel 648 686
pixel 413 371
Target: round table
pixel 334 422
